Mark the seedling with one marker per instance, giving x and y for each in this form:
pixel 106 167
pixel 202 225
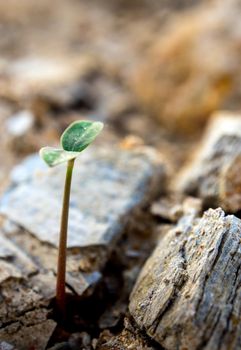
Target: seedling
pixel 74 140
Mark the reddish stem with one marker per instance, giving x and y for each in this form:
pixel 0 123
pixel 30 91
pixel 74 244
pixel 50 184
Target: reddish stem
pixel 61 270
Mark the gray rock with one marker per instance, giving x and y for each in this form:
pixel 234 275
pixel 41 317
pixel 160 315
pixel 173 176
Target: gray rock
pixel 213 174
pixel 188 295
pixel 6 346
pixel 79 341
pixel 174 206
pixel 14 262
pixel 60 346
pixel 31 331
pixel 109 184
pixel 109 187
pixel 20 123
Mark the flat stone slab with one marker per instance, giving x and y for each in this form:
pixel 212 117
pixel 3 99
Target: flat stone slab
pixel 188 295
pixel 108 184
pixel 14 262
pixel 214 172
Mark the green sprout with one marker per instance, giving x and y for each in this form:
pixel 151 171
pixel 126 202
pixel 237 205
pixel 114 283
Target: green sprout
pixel 74 140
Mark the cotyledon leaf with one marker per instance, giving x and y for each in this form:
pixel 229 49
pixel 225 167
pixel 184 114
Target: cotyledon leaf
pixel 74 140
pixel 54 156
pixel 79 135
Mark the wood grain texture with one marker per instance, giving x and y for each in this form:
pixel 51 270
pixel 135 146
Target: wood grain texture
pixel 213 173
pixel 188 295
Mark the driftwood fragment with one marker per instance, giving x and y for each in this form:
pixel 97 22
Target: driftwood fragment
pixel 188 295
pixel 130 338
pixel 214 172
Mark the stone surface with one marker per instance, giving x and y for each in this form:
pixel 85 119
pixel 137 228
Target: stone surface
pixel 230 184
pixel 18 263
pixel 174 206
pixel 16 269
pixel 19 124
pixel 6 346
pixel 27 76
pixel 31 331
pixel 188 295
pixel 31 260
pixel 27 285
pixel 213 174
pixel 28 264
pixel 108 185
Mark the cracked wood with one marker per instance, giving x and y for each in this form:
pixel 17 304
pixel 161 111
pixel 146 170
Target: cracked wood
pixel 188 295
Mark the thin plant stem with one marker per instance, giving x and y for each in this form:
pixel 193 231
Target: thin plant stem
pixel 61 270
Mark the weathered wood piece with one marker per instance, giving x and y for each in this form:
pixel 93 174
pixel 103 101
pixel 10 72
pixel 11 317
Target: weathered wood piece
pixel 188 295
pixel 214 173
pixel 109 185
pixel 130 338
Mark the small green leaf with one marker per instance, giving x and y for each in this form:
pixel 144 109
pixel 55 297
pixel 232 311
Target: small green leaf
pixel 75 139
pixel 54 156
pixel 79 135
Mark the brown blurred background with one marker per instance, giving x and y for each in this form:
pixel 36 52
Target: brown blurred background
pixel 155 69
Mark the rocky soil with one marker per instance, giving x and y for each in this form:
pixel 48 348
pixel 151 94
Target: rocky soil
pixel 154 230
